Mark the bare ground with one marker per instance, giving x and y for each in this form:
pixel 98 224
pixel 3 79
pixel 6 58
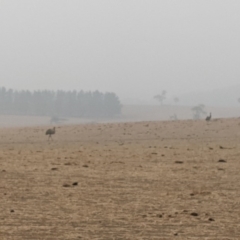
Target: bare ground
pixel 146 180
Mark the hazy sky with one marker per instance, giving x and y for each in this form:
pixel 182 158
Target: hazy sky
pixel 135 48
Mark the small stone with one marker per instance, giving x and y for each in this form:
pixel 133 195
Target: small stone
pixel 179 162
pixel 85 165
pixel 12 210
pixel 194 214
pixel 211 219
pixel 66 185
pixel 75 184
pixel 222 160
pixel 159 215
pixel 54 169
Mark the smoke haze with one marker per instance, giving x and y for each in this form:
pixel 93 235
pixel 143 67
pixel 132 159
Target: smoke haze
pixel 133 48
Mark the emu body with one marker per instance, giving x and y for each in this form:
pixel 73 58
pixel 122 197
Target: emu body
pixel 208 118
pixel 50 132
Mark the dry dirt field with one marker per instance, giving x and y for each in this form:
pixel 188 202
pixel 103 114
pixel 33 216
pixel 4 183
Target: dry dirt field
pixel 146 180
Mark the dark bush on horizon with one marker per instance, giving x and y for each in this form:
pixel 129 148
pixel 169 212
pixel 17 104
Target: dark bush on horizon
pixel 59 103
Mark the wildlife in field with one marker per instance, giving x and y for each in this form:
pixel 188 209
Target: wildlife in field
pixel 208 118
pixel 50 132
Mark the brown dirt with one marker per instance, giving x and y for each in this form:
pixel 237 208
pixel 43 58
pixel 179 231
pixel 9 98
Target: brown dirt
pixel 147 180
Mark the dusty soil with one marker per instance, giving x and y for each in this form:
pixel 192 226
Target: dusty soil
pixel 146 180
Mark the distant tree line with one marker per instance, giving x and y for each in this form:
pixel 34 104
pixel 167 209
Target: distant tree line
pixel 59 103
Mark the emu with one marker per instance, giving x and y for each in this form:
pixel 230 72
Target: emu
pixel 50 132
pixel 208 118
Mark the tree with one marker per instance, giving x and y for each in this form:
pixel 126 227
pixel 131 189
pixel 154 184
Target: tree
pixel 176 100
pixel 112 104
pixel 161 97
pixel 60 103
pixel 198 111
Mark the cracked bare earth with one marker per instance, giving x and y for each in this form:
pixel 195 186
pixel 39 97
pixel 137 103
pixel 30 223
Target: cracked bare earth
pixel 146 180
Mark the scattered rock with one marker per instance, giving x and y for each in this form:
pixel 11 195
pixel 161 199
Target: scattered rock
pixel 211 219
pixel 75 184
pixel 117 162
pixel 222 160
pixel 179 162
pixel 85 165
pixel 54 169
pixel 175 234
pixel 210 148
pixel 67 164
pixel 159 215
pixel 66 185
pixel 163 155
pixel 221 147
pixel 194 214
pixel 192 194
pixel 154 153
pixel 144 216
pixel 12 210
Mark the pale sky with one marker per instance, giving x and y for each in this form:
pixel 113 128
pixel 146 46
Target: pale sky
pixel 135 48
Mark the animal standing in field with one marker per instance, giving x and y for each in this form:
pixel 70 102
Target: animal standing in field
pixel 50 132
pixel 208 118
